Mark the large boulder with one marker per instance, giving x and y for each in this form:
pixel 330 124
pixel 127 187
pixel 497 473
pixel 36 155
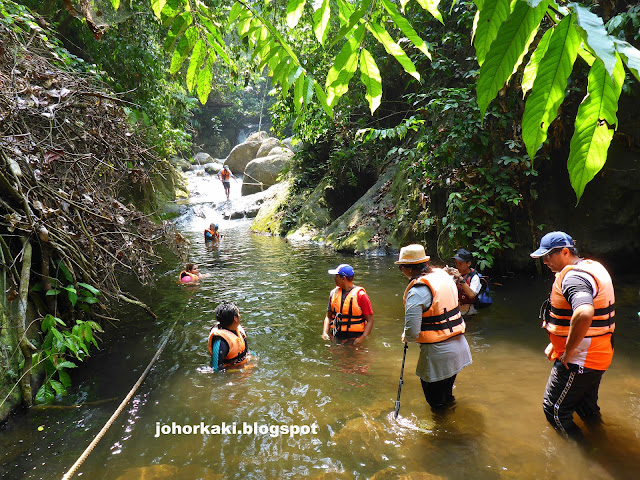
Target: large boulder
pixel 213 168
pixel 264 171
pixel 242 154
pixel 202 158
pixel 260 136
pixel 266 147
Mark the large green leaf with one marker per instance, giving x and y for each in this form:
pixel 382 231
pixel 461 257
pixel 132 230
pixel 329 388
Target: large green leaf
pixel 393 48
pixel 531 70
pixel 354 18
pixel 507 51
pixel 406 27
pixel 186 43
pixel 431 6
pixel 298 94
pixel 370 76
pixel 491 16
pixel 549 87
pixel 205 78
pixel 157 6
pixel 344 67
pixel 630 55
pixel 195 62
pixel 321 21
pixel 294 12
pixel 178 27
pixel 322 98
pixel 595 124
pixel 595 35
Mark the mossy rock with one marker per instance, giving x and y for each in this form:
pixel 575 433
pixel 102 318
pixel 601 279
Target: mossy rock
pixel 271 214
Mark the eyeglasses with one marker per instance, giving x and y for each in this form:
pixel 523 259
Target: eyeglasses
pixel 546 256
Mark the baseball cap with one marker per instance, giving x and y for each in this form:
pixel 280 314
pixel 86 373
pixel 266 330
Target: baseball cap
pixel 463 255
pixel 551 241
pixel 343 270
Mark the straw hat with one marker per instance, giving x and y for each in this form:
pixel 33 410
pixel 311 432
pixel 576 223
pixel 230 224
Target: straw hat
pixel 412 254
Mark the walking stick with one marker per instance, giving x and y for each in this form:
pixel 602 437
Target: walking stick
pixel 404 356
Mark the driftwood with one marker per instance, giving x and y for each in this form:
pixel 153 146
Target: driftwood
pixel 20 324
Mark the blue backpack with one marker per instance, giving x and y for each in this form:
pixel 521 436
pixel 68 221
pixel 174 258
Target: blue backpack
pixel 483 298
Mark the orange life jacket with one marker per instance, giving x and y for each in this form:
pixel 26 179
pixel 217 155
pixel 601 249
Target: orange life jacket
pixel 192 276
pixel 558 320
pixel 237 345
pixel 443 319
pixel 215 235
pixel 348 315
pixel 225 174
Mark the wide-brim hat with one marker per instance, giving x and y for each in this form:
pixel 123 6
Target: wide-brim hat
pixel 412 254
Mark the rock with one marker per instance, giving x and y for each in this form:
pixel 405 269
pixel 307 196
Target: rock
pixel 361 437
pixel 202 158
pixel 252 212
pixel 260 136
pixel 181 164
pixel 266 147
pixel 242 154
pixel 213 168
pixel 288 142
pixel 264 170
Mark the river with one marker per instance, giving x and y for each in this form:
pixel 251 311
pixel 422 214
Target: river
pixel 342 397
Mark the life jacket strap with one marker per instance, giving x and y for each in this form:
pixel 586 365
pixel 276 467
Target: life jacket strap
pixel 432 323
pixel 567 312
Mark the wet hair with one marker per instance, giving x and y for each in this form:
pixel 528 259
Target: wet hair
pixel 189 267
pixel 417 268
pixel 225 313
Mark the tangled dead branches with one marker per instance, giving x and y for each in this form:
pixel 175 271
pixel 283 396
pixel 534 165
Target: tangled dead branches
pixel 69 159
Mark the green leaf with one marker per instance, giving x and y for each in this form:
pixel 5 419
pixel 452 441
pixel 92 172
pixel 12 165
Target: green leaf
pixel 178 27
pixel 531 70
pixel 549 87
pixel 66 364
pixel 47 322
pixel 36 287
pixel 354 18
pixel 630 55
pixel 491 16
pixel 195 63
pixel 370 76
pixel 91 288
pixel 235 12
pixel 321 21
pixel 186 43
pixel 393 48
pixel 298 91
pixel 322 98
pixel 45 395
pixel 596 35
pixel 64 377
pixel 89 300
pixel 406 27
pixel 58 387
pixel 431 6
pixel 514 37
pixel 53 291
pixel 344 67
pixel 65 271
pixel 294 12
pixel 205 78
pixel 595 124
pixel 157 6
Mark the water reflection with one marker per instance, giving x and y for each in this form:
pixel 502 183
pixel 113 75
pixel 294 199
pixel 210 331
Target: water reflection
pixel 496 431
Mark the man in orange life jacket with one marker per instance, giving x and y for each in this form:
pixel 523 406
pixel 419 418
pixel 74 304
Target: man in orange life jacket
pixel 580 324
pixel 225 176
pixel 349 312
pixel 227 340
pixel 432 318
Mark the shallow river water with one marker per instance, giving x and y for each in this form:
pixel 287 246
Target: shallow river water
pixel 341 397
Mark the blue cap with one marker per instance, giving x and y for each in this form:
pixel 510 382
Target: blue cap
pixel 551 241
pixel 343 270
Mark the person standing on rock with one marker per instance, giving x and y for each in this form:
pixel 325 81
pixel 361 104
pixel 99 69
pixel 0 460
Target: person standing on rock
pixel 432 319
pixel 225 177
pixel 579 320
pixel 349 314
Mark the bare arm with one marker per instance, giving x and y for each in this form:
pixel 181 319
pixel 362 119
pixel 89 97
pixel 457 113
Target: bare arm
pixel 580 323
pixel 325 327
pixel 367 330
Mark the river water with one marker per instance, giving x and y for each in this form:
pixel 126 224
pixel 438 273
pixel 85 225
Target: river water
pixel 346 395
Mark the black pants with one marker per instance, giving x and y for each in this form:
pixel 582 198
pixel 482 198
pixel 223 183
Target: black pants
pixel 572 390
pixel 439 394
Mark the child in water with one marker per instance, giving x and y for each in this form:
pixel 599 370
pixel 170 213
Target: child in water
pixel 191 273
pixel 227 340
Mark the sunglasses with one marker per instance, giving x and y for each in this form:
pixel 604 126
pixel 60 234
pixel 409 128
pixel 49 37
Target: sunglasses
pixel 546 256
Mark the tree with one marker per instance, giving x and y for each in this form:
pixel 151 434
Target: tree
pixel 503 36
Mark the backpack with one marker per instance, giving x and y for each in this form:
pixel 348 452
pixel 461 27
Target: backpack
pixel 483 298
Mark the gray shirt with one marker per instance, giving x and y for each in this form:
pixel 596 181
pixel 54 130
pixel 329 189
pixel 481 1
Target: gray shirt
pixel 438 361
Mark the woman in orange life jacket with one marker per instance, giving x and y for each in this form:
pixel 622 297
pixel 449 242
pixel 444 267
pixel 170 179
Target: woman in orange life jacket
pixel 349 313
pixel 190 274
pixel 580 323
pixel 227 340
pixel 212 233
pixel 467 281
pixel 433 319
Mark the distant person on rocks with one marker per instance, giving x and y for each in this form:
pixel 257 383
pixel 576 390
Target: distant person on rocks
pixel 191 273
pixel 432 318
pixel 227 339
pixel 579 318
pixel 467 280
pixel 349 313
pixel 225 177
pixel 212 233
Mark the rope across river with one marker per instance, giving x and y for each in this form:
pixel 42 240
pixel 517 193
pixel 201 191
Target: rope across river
pixel 131 393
